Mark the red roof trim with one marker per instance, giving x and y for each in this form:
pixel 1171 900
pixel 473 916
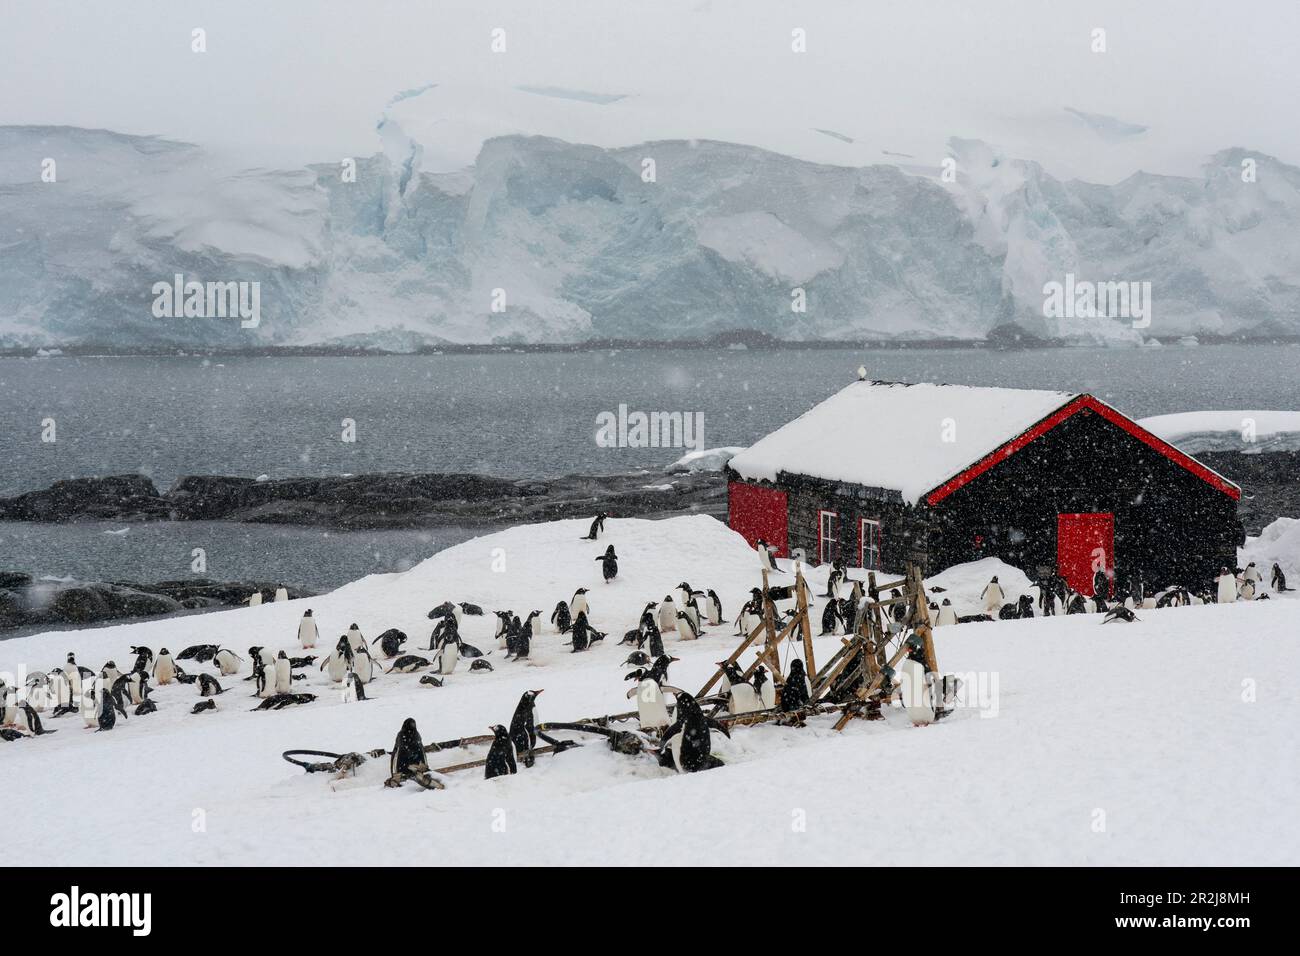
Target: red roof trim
pixel 1073 407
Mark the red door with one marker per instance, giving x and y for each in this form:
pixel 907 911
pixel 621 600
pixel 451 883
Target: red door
pixel 1085 544
pixel 758 512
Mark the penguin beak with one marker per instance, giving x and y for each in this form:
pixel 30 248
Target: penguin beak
pixel 538 693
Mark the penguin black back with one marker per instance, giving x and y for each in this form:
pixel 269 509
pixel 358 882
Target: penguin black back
pixel 501 756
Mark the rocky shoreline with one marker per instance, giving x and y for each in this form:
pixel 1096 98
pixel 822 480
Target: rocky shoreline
pixel 370 502
pixel 25 602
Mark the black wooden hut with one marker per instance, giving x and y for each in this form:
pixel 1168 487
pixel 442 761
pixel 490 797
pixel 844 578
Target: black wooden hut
pixel 1051 482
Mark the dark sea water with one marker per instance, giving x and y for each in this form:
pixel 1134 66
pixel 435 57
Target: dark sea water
pixel 509 414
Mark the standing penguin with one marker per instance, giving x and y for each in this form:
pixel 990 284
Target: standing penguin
pixel 523 727
pixel 209 686
pixel 742 697
pixel 667 613
pixel 524 635
pixel 307 633
pixel 1252 574
pixel 579 603
pixel 339 661
pixel 355 638
pixel 992 597
pixel 504 620
pixel 501 756
pixel 283 674
pixel 582 632
pixel 164 667
pixel 687 629
pixel 255 599
pixel 561 618
pixel 652 711
pixel 654 639
pixel 686 744
pixel 363 665
pixel 597 526
pixel 830 617
pixel 714 605
pixel 764 687
pixel 281 593
pixel 795 693
pixel 609 564
pixel 1278 579
pixel 408 752
pixel 109 706
pixel 1227 586
pixel 834 578
pixel 947 614
pixel 448 655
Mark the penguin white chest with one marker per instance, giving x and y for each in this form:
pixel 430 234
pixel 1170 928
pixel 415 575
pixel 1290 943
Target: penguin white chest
pixel 338 666
pixel 283 676
pixel 667 617
pixel 448 658
pixel 650 707
pixel 684 629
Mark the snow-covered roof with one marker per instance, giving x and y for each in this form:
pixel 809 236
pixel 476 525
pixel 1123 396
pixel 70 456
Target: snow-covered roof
pixel 891 435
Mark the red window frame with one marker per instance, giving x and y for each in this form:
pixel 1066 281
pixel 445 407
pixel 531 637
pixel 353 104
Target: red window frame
pixel 822 538
pixel 862 543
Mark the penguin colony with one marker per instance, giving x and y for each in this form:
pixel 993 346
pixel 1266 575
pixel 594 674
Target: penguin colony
pixel 678 733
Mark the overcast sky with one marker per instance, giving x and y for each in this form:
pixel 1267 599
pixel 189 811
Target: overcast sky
pixel 291 81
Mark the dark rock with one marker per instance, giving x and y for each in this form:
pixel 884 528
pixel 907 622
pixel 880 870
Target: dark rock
pixel 14 579
pixel 121 497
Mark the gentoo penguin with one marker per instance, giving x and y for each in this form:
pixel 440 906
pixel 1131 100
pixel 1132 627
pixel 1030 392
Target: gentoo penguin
pixel 137 687
pixel 109 707
pixel 692 610
pixel 199 653
pixel 637 659
pixel 504 620
pixel 501 755
pixel 667 613
pixel 751 613
pixel 579 604
pixel 281 593
pixel 408 663
pixel 766 558
pixel 1278 580
pixel 1120 613
pixel 164 668
pixel 408 752
pixel 255 599
pixel 1248 590
pixel 146 707
pixel 992 596
pixel 582 633
pixel 795 693
pixel 654 640
pixel 741 695
pixel 830 617
pixel 354 688
pixel 480 666
pixel 445 630
pixel 108 675
pixel 524 635
pixel 651 710
pixel 265 677
pixel 390 642
pixel 473 610
pixel 1252 574
pixel 714 606
pixel 307 633
pixel 686 746
pixel 143 659
pixel 609 564
pixel 1025 606
pixel 834 578
pixel 447 655
pixel 597 526
pixel 339 660
pixel 947 614
pixel 209 686
pixel 227 661
pixel 561 619
pixel 686 627
pixel 523 727
pixel 764 687
pixel 363 665
pixel 283 674
pixel 203 705
pixel 1227 586
pixel 355 638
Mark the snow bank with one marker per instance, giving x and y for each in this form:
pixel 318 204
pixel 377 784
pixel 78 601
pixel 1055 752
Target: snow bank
pixel 1014 778
pixel 1278 543
pixel 964 583
pixel 1247 431
pixel 710 459
pixel 858 433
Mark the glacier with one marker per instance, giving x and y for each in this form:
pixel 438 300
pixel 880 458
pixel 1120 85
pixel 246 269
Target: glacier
pixel 472 227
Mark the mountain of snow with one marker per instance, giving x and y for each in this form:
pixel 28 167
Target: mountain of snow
pixel 468 226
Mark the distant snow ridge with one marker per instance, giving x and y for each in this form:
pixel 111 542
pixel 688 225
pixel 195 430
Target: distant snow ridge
pixel 1244 431
pixel 582 246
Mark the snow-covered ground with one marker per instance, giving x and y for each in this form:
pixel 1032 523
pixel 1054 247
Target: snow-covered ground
pixel 1248 431
pixel 1168 741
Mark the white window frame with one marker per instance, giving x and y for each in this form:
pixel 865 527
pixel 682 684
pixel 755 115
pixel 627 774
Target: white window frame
pixel 823 538
pixel 869 546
